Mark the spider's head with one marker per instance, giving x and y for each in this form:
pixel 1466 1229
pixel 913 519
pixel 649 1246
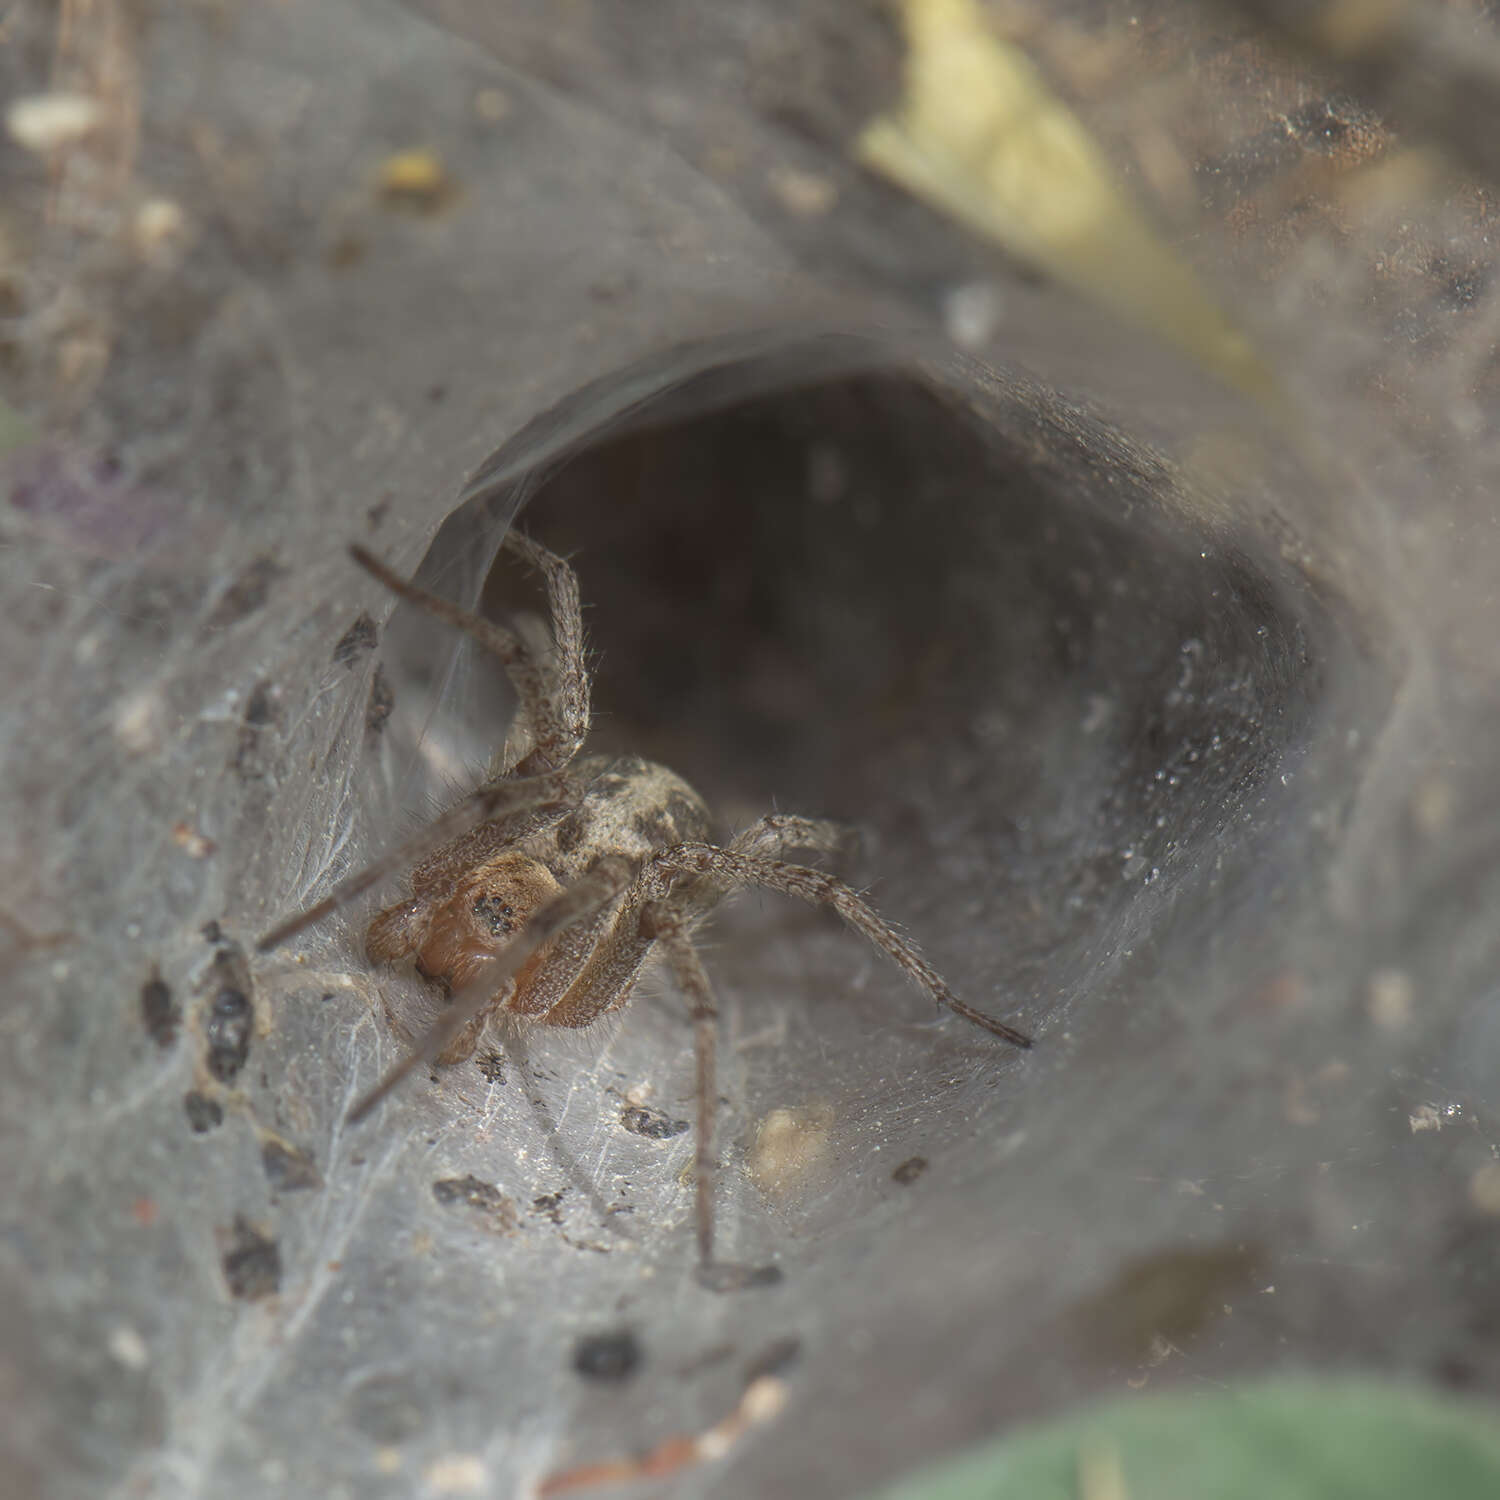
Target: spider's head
pixel 485 911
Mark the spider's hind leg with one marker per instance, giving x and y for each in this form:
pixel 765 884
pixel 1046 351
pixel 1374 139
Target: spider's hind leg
pixel 670 925
pixel 694 982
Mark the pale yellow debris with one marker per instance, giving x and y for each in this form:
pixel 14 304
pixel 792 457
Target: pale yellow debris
pixel 790 1147
pixel 458 1474
pixel 1391 999
pixel 1484 1188
pixel 980 136
pixel 46 122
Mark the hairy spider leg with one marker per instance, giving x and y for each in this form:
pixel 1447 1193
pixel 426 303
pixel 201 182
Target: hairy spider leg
pixel 494 800
pixel 570 688
pixel 694 982
pixel 556 711
pixel 775 833
pixel 819 888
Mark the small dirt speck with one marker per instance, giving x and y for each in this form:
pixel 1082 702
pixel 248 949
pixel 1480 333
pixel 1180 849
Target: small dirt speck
pixel 549 1205
pixel 252 1263
pixel 159 1012
pixel 203 1113
pixel 288 1167
pixel 230 1018
pixel 607 1356
pixel 260 706
pixel 382 701
pixel 246 594
pixel 491 1067
pixel 360 637
pixel 261 711
pixel 651 1123
pixel 909 1170
pixel 720 1276
pixel 483 1197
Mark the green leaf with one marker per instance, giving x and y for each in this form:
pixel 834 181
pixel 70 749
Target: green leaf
pixel 15 430
pixel 1284 1440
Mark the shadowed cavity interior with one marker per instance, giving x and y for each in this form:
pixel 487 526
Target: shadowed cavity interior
pixel 1039 690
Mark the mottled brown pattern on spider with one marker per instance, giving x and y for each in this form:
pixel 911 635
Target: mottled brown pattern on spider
pixel 470 899
pixel 546 892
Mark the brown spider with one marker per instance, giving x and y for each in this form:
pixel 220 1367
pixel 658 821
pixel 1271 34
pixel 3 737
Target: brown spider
pixel 545 892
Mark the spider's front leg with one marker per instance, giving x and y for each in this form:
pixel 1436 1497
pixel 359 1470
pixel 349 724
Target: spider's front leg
pixel 727 868
pixel 555 704
pixel 771 836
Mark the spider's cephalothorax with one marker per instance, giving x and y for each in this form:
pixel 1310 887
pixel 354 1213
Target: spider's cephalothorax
pixel 471 899
pixel 545 892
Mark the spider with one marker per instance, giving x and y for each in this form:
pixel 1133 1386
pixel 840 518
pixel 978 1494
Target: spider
pixel 546 892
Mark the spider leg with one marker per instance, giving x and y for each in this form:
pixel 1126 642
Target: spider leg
pixel 494 800
pixel 440 871
pixel 667 916
pixel 818 888
pixel 693 978
pixel 465 1042
pixel 658 909
pixel 584 897
pixel 605 979
pixel 769 837
pixel 568 704
pixel 520 663
pixel 775 833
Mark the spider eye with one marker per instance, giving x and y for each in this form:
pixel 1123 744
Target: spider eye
pixel 496 915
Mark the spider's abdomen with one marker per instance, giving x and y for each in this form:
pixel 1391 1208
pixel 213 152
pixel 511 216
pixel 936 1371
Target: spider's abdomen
pixel 632 807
